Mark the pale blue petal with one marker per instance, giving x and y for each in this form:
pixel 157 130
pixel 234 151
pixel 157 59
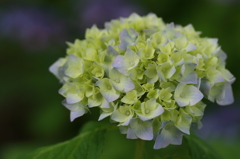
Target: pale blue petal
pixel 169 135
pixel 144 133
pixel 73 98
pixel 217 77
pixel 128 85
pixel 105 104
pixel 189 78
pixel 184 122
pixel 178 91
pixel 123 129
pixel 127 121
pixel 158 111
pixel 193 94
pixel 76 114
pixel 227 95
pixel 127 37
pixel 110 96
pixel 119 117
pixel 190 47
pixel 131 134
pixel 171 72
pixel 103 115
pixel 205 86
pixel 120 64
pixel 72 107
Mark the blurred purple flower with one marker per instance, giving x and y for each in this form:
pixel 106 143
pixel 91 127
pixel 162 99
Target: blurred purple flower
pixel 98 12
pixel 32 28
pixel 223 123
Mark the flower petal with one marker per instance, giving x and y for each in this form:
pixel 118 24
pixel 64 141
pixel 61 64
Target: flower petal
pixel 169 135
pixel 192 94
pixel 103 115
pixel 120 64
pixel 227 95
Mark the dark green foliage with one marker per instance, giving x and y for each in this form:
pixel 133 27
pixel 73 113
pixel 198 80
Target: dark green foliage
pixel 199 149
pixel 100 140
pixel 87 145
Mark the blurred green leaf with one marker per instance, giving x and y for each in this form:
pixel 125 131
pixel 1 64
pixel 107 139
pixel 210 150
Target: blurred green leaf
pixel 199 149
pixel 91 144
pixel 87 145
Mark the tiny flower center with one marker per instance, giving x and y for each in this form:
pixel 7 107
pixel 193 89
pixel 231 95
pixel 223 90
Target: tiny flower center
pixel 117 81
pixel 147 111
pixel 139 89
pixel 127 113
pixel 132 63
pixel 182 95
pixel 164 60
pixel 163 96
pixel 139 71
pixel 164 70
pixel 146 55
pixel 109 87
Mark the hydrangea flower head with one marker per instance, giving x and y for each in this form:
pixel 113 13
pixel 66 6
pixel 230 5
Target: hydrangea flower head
pixel 148 76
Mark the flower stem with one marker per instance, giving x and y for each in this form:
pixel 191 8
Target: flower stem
pixel 139 149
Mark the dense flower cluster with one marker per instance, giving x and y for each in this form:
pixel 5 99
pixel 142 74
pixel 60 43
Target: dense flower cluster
pixel 148 76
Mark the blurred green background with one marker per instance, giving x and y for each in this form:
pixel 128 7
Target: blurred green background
pixel 33 36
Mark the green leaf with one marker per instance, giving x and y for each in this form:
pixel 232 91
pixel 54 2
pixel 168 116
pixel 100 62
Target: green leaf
pixel 199 149
pixel 87 145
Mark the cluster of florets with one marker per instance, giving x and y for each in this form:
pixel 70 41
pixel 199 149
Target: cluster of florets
pixel 148 76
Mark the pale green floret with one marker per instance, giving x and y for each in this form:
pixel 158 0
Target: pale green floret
pixel 213 75
pixel 158 39
pixel 153 94
pixel 148 76
pixel 187 95
pixel 148 87
pixel 127 37
pixel 169 115
pixel 97 71
pixel 77 109
pixel 127 62
pixel 168 85
pixel 146 51
pixel 120 82
pixel 183 122
pixel 107 57
pixel 165 50
pixel 165 71
pixel 189 76
pixel 177 58
pixel 151 73
pixel 162 58
pixel 182 44
pixel 140 129
pixel 107 90
pixel 130 97
pixel 73 92
pixel 165 95
pixel 169 135
pixel 123 115
pixel 137 73
pixel 90 54
pixel 97 100
pixel 169 105
pixel 196 110
pixel 140 90
pixel 58 70
pixel 150 109
pixel 75 66
pixel 107 111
